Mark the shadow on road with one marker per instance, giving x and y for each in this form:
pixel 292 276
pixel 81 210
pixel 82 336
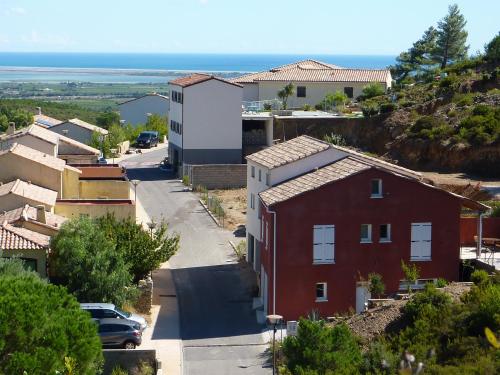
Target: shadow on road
pixel 150 174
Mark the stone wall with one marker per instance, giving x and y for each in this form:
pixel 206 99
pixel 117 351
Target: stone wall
pixel 217 176
pixel 128 360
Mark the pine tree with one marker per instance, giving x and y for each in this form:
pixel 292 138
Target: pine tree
pixel 451 38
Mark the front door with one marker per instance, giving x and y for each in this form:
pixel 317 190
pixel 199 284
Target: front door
pixel 362 296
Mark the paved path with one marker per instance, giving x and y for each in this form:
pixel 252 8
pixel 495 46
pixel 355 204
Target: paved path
pixel 218 328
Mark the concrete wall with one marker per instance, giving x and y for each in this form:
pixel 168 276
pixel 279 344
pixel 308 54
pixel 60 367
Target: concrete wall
pixel 175 113
pixel 39 255
pixel 32 142
pixel 135 111
pixel 127 359
pixel 217 176
pixel 94 208
pixel 75 132
pixel 9 202
pixel 71 184
pixel 104 189
pixel 315 91
pixel 250 92
pixel 14 167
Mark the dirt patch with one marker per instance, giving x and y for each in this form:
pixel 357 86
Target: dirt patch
pixel 234 203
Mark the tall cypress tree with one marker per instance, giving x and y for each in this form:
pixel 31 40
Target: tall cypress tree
pixel 451 38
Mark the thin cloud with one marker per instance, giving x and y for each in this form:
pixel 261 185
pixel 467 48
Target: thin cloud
pixel 18 11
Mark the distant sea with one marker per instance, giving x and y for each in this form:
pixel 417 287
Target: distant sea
pixel 154 68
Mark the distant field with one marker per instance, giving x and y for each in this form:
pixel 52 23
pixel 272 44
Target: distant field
pixel 99 105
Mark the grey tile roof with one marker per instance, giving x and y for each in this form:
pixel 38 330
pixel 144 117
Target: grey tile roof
pixel 336 171
pixel 289 151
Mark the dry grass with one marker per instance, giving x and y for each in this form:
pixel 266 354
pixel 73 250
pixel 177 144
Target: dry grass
pixel 234 203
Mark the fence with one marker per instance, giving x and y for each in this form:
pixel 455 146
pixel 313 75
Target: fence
pixel 213 204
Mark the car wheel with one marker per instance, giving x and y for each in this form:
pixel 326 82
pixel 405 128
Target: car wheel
pixel 129 345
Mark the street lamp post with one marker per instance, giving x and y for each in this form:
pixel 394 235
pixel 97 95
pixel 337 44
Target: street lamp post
pixel 135 183
pixel 151 226
pixel 274 320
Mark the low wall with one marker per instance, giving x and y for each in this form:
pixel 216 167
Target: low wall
pixel 123 147
pixel 128 360
pixel 217 176
pixel 468 229
pixel 121 209
pixel 104 189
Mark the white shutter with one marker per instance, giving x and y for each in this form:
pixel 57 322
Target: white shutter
pixel 317 243
pixel 329 243
pixel 421 241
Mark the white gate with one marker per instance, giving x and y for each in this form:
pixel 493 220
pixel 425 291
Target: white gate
pixel 362 296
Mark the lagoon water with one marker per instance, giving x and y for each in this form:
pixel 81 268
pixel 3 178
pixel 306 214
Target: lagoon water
pixel 155 68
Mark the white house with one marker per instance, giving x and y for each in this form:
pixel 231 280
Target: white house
pixel 78 130
pixel 312 80
pixel 205 121
pixel 136 111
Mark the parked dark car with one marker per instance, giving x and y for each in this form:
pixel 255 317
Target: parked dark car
pixel 120 333
pixel 147 139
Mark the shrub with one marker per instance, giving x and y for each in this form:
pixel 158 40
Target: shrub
pixel 449 83
pixel 388 107
pixel 482 110
pixel 185 180
pixel 118 370
pixel 407 103
pixel 307 107
pixel 429 127
pixel 372 90
pixel 463 100
pixel 480 278
pixel 411 272
pixel 482 126
pixel 267 107
pixel 377 286
pixel 441 283
pixel 370 109
pixel 335 139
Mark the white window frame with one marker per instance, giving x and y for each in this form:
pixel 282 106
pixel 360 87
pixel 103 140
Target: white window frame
pixel 370 236
pixel 380 193
pixel 325 292
pixel 420 249
pixel 252 201
pixel 323 244
pixel 252 171
pixel 389 234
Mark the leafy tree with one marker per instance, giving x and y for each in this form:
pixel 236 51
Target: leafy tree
pixel 336 99
pixel 286 92
pixel 157 123
pixel 376 286
pixel 411 272
pixel 451 38
pixel 492 50
pixel 417 58
pixel 116 135
pixel 318 349
pixel 42 328
pixel 107 119
pixel 372 90
pixel 141 251
pixel 88 263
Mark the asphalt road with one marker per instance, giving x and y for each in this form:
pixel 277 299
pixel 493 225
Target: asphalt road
pixel 219 331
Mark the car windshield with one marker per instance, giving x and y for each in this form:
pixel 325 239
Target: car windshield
pixel 124 313
pixel 144 136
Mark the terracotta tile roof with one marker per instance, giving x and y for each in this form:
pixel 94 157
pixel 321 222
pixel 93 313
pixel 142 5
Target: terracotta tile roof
pixel 35 156
pixel 196 78
pixel 35 131
pixel 14 238
pixel 84 125
pixel 29 213
pixel 315 71
pixel 289 151
pixel 313 180
pixel 45 121
pixel 33 192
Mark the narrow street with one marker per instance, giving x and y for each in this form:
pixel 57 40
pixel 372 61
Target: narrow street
pixel 218 327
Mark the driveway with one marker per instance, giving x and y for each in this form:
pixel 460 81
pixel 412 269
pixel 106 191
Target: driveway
pixel 219 331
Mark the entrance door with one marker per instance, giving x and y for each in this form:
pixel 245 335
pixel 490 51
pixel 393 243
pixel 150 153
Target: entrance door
pixel 362 296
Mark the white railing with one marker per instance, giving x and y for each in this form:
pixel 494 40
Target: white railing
pixel 260 105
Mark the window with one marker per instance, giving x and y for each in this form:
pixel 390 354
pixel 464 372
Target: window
pixel 109 314
pixel 385 233
pixel 252 171
pixel 376 188
pixel 349 91
pixel 366 233
pixel 260 175
pixel 301 91
pixel 268 179
pixel 321 295
pixel 323 244
pixel 421 241
pixel 252 200
pixel 177 97
pixel 30 264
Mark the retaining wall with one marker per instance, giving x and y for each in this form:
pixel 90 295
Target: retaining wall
pixel 217 176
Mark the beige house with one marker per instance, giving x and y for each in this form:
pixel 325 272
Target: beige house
pixel 78 130
pixel 28 164
pixel 312 80
pixel 18 193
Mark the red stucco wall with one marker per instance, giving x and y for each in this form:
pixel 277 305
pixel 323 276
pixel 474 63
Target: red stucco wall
pixel 347 204
pixel 468 229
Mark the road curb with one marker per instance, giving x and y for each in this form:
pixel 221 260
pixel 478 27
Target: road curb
pixel 211 215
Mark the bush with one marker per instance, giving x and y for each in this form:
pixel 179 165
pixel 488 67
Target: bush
pixel 377 286
pixel 429 127
pixel 335 139
pixel 372 90
pixel 463 100
pixel 185 180
pixel 370 109
pixel 449 83
pixel 388 107
pixel 43 330
pixel 482 126
pixel 480 278
pixel 307 107
pixel 441 283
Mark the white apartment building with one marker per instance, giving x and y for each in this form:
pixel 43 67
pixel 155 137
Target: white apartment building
pixel 205 121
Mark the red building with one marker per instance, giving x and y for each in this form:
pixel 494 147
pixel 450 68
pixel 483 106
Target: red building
pixel 324 232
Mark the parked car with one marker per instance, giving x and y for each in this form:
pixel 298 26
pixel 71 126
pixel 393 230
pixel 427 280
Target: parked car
pixel 102 160
pixel 147 139
pixel 108 310
pixel 121 333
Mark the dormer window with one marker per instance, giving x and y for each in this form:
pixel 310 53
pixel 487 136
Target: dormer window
pixel 376 188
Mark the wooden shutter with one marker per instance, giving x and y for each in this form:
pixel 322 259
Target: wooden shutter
pixel 323 243
pixel 421 241
pixel 317 243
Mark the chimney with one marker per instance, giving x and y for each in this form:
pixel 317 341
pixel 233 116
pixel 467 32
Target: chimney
pixel 40 214
pixel 12 128
pixel 38 110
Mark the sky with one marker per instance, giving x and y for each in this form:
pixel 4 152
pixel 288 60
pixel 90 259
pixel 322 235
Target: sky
pixel 362 27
